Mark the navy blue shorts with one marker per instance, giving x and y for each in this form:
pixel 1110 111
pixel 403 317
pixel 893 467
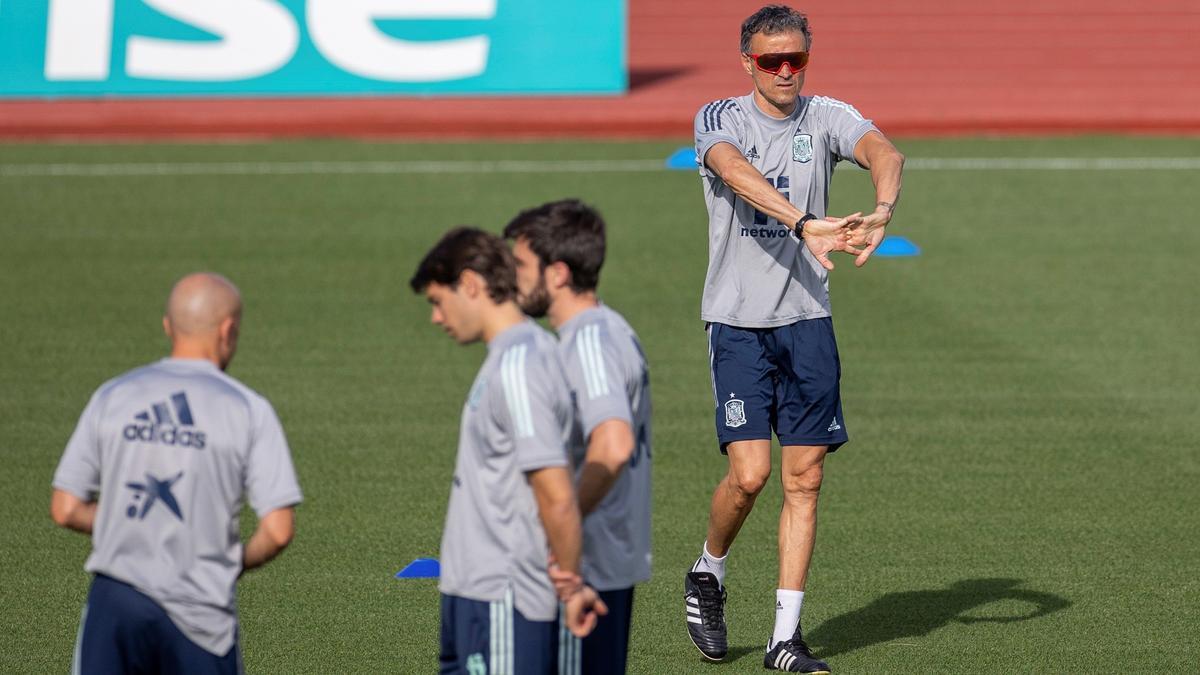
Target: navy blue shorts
pixel 493 637
pixel 124 631
pixel 782 380
pixel 604 651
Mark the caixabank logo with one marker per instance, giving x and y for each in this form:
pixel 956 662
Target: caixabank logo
pixel 169 424
pixel 165 47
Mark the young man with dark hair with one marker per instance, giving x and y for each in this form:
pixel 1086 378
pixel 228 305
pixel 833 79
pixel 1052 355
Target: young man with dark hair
pixel 511 502
pixel 156 472
pixel 559 248
pixel 766 162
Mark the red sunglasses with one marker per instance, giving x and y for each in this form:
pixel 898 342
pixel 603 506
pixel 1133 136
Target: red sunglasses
pixel 773 63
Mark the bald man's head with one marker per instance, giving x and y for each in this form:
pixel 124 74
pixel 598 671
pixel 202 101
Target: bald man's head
pixel 202 317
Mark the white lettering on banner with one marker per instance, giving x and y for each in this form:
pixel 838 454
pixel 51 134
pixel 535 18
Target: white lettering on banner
pixel 79 39
pixel 345 32
pixel 257 38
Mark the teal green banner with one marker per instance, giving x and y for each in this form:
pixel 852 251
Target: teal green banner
pixel 86 48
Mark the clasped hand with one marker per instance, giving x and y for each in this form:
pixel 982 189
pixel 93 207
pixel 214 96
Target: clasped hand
pixel 581 603
pixel 856 234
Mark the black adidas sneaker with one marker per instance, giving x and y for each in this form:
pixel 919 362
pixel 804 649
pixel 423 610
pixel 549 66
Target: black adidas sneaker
pixel 793 656
pixel 704 604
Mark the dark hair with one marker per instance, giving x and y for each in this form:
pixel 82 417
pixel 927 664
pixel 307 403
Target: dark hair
pixel 469 248
pixel 772 20
pixel 566 231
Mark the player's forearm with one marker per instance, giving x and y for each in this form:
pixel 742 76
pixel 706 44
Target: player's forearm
pixel 886 165
pixel 610 445
pixel 595 480
pixel 71 512
pixel 563 534
pixel 748 184
pixel 274 533
pixel 559 514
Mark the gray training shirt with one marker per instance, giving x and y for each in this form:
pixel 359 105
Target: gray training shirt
pixel 172 450
pixel 609 380
pixel 759 274
pixel 516 419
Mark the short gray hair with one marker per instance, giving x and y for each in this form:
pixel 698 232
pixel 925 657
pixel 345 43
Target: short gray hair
pixel 775 19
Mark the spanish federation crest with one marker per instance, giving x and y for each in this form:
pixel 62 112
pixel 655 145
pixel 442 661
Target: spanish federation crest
pixel 735 413
pixel 802 148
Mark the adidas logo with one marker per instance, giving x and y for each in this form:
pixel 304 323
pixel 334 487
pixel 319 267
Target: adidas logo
pixel 834 426
pixel 164 427
pixel 753 154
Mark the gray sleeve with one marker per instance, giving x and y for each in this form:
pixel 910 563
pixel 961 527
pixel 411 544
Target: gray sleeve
pixel 846 128
pixel 535 397
pixel 717 122
pixel 594 363
pixel 270 477
pixel 79 469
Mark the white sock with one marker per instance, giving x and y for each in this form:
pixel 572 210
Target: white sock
pixel 787 615
pixel 710 563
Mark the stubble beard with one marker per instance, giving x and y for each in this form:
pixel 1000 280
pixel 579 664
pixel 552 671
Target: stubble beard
pixel 537 302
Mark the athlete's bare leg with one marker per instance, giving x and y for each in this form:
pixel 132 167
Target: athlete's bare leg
pixel 801 471
pixel 749 468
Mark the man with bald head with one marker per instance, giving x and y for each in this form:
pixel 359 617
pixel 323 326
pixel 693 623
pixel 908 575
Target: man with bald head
pixel 157 472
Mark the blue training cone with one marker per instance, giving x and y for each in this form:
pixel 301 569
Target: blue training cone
pixel 683 159
pixel 421 568
pixel 897 247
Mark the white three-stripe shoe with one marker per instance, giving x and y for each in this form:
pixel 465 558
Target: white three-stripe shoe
pixel 793 656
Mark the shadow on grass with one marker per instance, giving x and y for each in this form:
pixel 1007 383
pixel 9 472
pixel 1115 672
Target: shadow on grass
pixel 734 654
pixel 917 613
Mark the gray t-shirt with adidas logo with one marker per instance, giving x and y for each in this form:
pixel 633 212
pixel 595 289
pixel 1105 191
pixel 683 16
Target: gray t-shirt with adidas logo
pixel 173 450
pixel 516 420
pixel 759 273
pixel 609 380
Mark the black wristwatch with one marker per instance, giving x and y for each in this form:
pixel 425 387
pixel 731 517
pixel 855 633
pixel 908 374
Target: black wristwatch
pixel 799 228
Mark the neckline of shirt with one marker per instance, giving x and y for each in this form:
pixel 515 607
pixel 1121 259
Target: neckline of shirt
pixel 801 104
pixel 509 335
pixel 570 324
pixel 201 364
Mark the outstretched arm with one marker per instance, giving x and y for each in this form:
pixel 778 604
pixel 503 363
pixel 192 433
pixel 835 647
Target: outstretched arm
pixel 821 237
pixel 875 152
pixel 71 512
pixel 746 182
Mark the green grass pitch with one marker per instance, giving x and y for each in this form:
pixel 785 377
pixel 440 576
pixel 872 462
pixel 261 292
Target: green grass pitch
pixel 1022 489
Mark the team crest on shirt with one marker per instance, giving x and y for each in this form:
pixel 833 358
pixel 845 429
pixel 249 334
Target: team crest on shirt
pixel 802 148
pixel 735 412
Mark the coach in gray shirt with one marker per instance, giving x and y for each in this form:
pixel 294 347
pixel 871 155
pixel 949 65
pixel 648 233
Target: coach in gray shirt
pixel 766 162
pixel 157 472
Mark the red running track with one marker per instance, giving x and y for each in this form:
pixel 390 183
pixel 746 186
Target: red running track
pixel 925 67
